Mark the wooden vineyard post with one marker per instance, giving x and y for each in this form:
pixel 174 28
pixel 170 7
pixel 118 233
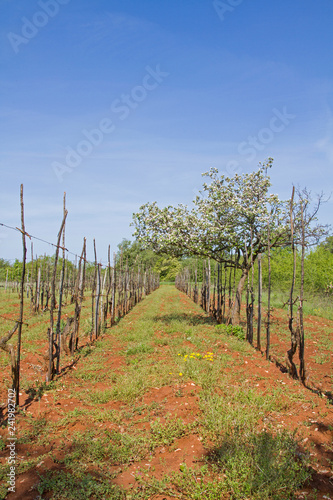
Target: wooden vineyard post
pixel 268 321
pixel 98 298
pixel 47 286
pixel 248 306
pixel 208 288
pixel 259 302
pixel 218 309
pixel 16 381
pixel 196 295
pixel 190 283
pixel 230 292
pixel 36 286
pixel 224 292
pixel 248 326
pixel 38 289
pixel 125 308
pixel 79 291
pixel 61 287
pixel 109 283
pixel 32 279
pixel 101 300
pixel 10 349
pixel 214 308
pixel 250 299
pixel 139 284
pixel 113 292
pixel 52 307
pixel 98 291
pixel 202 298
pixel 120 282
pixel 93 288
pixel 42 286
pixel 27 284
pixel 302 372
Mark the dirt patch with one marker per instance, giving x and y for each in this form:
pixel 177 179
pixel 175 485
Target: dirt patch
pixel 67 415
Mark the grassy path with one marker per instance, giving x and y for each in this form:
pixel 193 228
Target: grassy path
pixel 165 406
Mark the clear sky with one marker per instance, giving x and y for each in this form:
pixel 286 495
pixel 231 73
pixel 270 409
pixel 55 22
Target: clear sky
pixel 121 102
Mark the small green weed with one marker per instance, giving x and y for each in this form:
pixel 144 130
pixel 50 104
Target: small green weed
pixel 78 486
pixel 189 484
pixel 139 349
pixel 3 491
pixel 165 435
pixel 322 358
pixel 40 429
pixel 260 466
pixel 99 397
pixel 235 330
pixel 112 447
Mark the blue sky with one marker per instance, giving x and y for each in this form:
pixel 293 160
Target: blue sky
pixel 123 102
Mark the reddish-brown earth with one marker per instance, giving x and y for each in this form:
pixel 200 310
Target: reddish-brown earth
pixel 181 399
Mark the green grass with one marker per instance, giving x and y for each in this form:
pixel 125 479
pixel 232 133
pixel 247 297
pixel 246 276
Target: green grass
pixel 235 330
pixel 260 465
pixel 322 358
pixel 142 348
pixel 165 435
pixel 255 466
pixel 314 305
pixel 78 486
pixel 38 431
pixel 241 409
pixel 245 456
pixel 112 447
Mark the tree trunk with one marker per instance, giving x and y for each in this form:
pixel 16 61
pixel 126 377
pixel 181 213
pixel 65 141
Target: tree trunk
pixel 235 312
pixel 294 333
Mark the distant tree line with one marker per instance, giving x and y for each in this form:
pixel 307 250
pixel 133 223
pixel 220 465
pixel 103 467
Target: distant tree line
pixel 318 266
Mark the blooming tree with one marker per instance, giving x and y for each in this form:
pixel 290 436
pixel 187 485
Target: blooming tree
pixel 232 221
